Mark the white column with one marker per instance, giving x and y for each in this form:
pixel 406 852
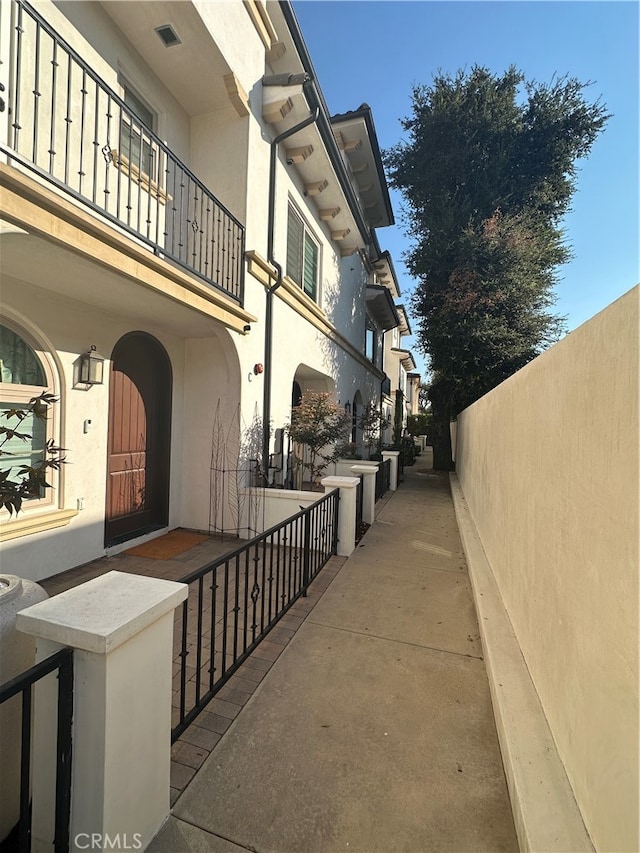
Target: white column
pixel 368 490
pixel 393 456
pixel 121 628
pixel 346 511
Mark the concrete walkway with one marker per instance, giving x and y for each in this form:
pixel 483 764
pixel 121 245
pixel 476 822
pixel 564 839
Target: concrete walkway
pixel 373 729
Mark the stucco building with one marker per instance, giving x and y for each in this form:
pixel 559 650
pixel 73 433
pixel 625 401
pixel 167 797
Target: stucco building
pixel 177 196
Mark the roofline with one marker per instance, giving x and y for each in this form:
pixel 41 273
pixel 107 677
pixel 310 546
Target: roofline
pixel 389 299
pixel 324 123
pixel 401 307
pixel 364 111
pixel 386 255
pixel 407 354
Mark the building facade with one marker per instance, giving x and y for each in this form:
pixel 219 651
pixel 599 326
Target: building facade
pixel 177 199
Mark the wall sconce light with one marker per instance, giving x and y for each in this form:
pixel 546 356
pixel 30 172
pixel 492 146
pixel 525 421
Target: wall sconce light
pixel 91 370
pixel 347 408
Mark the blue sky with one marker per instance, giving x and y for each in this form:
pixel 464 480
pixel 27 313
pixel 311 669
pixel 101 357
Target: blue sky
pixel 374 51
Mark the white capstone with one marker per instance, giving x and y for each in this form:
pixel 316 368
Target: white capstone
pixel 340 482
pixel 100 615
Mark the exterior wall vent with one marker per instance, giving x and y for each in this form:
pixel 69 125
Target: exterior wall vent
pixel 168 35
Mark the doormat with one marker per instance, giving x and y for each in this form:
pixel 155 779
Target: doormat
pixel 170 545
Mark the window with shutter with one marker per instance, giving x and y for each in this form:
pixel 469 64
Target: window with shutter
pixel 135 141
pixel 303 254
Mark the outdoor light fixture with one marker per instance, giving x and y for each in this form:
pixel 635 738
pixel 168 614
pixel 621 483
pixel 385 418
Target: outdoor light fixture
pixel 347 408
pixel 91 370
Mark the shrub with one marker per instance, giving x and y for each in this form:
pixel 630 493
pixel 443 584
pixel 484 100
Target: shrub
pixel 320 425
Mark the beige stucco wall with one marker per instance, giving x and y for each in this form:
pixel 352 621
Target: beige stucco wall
pixel 548 463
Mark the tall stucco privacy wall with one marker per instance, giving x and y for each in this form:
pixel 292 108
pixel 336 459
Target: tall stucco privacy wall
pixel 548 463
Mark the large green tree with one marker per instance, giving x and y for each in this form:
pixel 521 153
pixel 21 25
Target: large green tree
pixel 487 171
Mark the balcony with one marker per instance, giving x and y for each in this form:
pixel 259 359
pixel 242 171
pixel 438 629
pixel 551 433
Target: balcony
pixel 68 127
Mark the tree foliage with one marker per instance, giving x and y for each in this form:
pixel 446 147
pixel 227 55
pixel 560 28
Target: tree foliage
pixel 322 426
pixel 373 424
pixel 419 424
pixel 487 172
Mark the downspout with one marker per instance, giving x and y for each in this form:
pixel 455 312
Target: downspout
pixel 382 381
pixel 268 332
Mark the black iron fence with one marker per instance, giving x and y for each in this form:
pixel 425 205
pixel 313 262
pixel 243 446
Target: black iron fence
pixel 236 600
pixel 359 505
pixel 20 689
pixel 383 478
pixel 74 130
pixel 401 467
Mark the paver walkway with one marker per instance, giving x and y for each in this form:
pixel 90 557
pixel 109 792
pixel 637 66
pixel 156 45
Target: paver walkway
pixel 196 743
pixel 372 730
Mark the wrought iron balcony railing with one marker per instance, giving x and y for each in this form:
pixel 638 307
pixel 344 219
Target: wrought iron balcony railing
pixel 67 125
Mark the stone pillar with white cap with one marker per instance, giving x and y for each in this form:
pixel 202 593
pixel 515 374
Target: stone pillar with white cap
pixel 346 511
pixel 121 629
pixel 368 473
pixel 393 456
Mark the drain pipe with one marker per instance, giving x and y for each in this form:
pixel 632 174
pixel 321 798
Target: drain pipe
pixel 268 332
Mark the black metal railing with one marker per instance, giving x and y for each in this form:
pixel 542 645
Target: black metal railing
pixel 359 505
pixel 22 686
pixel 401 467
pixel 74 130
pixel 383 478
pixel 236 600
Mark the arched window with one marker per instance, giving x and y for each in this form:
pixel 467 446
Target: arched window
pixel 25 373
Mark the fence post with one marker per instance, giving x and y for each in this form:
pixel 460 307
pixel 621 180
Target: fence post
pixel 346 511
pixel 121 628
pixel 393 456
pixel 368 490
pixel 306 550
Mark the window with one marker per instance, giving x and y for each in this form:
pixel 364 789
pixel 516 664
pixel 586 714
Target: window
pixel 23 375
pixel 303 255
pixel 370 344
pixel 135 141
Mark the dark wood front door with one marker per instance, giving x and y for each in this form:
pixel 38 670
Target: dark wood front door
pixel 139 439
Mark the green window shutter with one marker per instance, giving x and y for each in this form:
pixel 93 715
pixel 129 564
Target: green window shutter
pixel 310 268
pixel 135 142
pixel 295 239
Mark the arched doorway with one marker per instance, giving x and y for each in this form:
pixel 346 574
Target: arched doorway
pixel 138 449
pixel 296 394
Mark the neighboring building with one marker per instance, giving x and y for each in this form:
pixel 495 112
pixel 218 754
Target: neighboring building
pixel 413 393
pixel 398 364
pixel 176 195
